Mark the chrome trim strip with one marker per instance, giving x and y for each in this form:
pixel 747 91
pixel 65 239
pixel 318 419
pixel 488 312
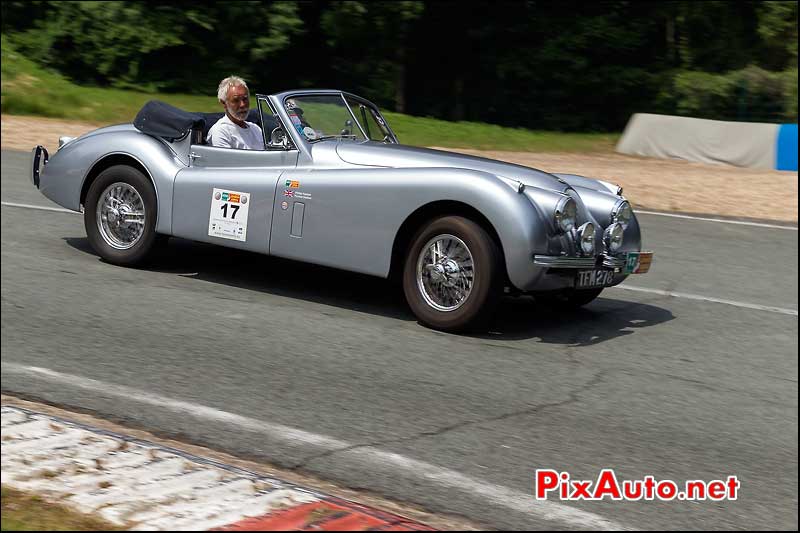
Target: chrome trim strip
pixel 560 261
pixel 613 262
pixel 352 114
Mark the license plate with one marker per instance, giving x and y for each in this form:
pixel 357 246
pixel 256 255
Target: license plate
pixel 590 279
pixel 638 262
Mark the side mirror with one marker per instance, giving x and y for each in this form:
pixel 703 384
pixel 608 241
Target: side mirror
pixel 278 138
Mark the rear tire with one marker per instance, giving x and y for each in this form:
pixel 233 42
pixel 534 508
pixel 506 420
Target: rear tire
pixel 120 215
pixel 451 274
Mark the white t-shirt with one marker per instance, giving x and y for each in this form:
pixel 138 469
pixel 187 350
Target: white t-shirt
pixel 227 134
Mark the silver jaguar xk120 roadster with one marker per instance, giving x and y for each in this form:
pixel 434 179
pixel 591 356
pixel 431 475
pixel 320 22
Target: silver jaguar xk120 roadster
pixel 334 186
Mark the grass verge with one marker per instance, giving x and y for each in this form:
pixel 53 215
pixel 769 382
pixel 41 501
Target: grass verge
pixel 22 511
pixel 28 89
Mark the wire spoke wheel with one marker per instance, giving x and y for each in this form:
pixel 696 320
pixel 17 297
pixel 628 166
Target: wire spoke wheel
pixel 120 216
pixel 452 273
pixel 445 272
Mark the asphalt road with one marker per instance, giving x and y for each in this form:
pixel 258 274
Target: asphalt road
pixel 328 372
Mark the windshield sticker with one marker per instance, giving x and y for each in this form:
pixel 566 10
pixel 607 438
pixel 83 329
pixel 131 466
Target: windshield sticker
pixel 295 119
pixel 228 216
pixel 309 133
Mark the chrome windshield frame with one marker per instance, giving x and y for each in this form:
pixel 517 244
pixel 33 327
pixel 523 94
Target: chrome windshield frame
pixel 278 102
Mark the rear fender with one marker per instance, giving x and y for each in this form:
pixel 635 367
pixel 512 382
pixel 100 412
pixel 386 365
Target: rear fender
pixel 70 170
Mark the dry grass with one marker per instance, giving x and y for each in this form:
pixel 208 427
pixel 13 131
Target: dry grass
pixel 27 512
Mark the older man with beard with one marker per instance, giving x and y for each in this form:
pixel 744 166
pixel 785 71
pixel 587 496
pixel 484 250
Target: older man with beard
pixel 232 131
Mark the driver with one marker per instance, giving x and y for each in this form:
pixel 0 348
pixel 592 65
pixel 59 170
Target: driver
pixel 232 131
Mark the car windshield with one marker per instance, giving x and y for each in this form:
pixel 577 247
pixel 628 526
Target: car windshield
pixel 322 117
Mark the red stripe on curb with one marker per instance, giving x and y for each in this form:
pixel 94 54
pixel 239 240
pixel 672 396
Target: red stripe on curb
pixel 326 516
pixel 396 522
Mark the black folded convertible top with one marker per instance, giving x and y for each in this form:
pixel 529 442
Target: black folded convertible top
pixel 161 119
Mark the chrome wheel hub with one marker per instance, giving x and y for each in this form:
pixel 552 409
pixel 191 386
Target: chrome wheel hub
pixel 445 272
pixel 120 216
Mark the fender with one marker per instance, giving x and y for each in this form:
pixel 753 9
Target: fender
pixel 515 219
pixel 63 178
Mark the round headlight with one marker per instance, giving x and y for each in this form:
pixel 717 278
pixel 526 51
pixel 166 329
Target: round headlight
pixel 613 237
pixel 622 213
pixel 566 214
pixel 586 238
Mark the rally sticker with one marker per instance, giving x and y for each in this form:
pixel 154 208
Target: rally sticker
pixel 310 133
pixel 228 217
pixel 297 194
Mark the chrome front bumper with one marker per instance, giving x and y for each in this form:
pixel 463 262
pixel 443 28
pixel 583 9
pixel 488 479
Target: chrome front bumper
pixel 563 261
pixel 628 263
pixel 610 261
pixel 39 158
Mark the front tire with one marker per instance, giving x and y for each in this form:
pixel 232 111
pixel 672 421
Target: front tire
pixel 120 215
pixel 451 274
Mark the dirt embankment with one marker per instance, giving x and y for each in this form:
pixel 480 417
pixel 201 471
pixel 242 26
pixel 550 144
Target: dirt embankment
pixel 659 184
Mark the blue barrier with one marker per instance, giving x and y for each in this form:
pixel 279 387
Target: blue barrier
pixel 786 147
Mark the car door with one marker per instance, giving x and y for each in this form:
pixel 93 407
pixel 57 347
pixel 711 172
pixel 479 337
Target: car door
pixel 226 196
pixel 343 218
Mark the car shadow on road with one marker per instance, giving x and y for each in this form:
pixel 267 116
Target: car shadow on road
pixel 518 318
pixel 606 318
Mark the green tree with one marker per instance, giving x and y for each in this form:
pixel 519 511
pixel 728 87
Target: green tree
pixel 777 27
pixel 568 65
pixel 178 46
pixel 371 38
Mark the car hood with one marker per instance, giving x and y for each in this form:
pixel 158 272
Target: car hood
pixel 399 156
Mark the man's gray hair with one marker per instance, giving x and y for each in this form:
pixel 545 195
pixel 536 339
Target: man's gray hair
pixel 227 83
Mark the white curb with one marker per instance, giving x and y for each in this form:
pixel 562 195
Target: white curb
pixel 133 483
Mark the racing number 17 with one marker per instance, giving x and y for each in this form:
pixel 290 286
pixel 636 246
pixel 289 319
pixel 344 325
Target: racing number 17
pixel 234 208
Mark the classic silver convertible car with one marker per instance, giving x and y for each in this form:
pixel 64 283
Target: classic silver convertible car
pixel 334 186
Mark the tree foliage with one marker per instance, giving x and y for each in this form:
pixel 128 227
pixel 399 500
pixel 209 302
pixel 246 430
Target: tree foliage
pixel 566 65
